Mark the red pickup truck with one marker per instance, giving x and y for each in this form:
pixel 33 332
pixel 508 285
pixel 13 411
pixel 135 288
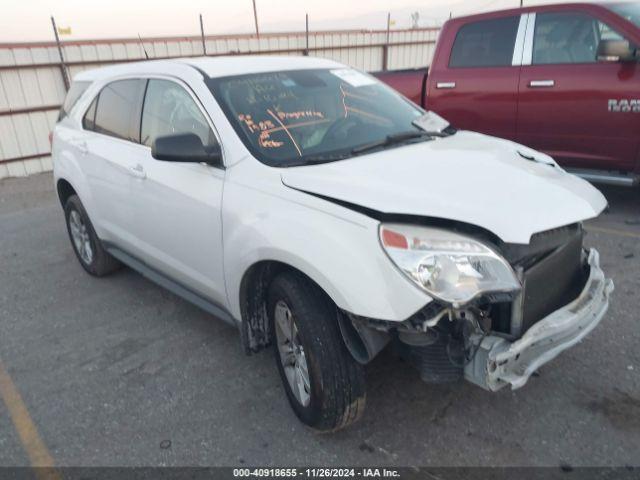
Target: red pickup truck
pixel 562 79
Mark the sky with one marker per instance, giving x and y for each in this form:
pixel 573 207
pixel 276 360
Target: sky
pixel 29 20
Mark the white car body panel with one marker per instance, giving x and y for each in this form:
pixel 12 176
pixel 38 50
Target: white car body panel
pixel 468 177
pixel 177 222
pixel 334 246
pixel 213 67
pixel 205 226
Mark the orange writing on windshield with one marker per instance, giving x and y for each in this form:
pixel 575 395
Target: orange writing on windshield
pixel 265 128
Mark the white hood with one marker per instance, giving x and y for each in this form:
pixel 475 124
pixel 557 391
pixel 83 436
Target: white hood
pixel 467 177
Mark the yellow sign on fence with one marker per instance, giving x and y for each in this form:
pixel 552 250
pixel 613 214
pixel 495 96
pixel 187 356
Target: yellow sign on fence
pixel 64 30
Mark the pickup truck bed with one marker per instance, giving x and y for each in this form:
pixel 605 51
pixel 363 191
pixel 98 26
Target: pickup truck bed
pixel 411 82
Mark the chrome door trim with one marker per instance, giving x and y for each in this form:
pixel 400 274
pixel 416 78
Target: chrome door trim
pixel 519 46
pixel 446 85
pixel 527 54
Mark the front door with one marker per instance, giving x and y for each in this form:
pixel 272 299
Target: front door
pixel 571 105
pixel 177 206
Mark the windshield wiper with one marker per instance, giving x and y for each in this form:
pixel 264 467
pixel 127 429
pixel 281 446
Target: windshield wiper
pixel 393 139
pixel 316 159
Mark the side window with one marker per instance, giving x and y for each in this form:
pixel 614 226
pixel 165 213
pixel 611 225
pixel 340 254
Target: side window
pixel 488 43
pixel 89 119
pixel 117 107
pixel 169 109
pixel 73 95
pixel 605 32
pixel 562 38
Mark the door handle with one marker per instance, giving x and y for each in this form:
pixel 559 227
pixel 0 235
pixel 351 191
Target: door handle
pixel 542 83
pixel 82 148
pixel 447 85
pixel 138 171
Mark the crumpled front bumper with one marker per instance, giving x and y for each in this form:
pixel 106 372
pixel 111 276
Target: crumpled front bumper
pixel 499 362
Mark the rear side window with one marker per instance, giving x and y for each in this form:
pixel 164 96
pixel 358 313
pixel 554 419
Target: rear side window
pixel 73 95
pixel 488 43
pixel 89 119
pixel 117 112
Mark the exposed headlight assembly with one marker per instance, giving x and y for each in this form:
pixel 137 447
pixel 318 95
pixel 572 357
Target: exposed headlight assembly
pixel 449 266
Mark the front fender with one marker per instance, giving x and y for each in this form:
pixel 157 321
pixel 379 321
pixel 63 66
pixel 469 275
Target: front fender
pixel 336 247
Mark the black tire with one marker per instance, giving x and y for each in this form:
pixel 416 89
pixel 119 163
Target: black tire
pixel 337 383
pixel 100 262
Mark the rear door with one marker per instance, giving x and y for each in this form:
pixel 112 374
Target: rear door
pixel 475 87
pixel 107 146
pixel 565 93
pixel 177 206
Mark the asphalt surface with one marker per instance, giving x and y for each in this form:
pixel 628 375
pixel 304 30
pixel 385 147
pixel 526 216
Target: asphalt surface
pixel 117 371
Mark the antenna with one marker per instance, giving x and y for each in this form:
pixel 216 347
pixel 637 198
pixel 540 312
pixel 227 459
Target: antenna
pixel 255 18
pixel 63 67
pixel 143 49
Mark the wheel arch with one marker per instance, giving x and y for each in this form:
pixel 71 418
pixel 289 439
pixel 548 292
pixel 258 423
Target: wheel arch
pixel 253 293
pixel 64 190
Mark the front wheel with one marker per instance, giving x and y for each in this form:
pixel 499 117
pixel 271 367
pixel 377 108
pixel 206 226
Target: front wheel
pixel 324 384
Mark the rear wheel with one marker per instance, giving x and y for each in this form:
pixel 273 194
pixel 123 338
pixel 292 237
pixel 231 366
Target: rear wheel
pixel 324 384
pixel 86 244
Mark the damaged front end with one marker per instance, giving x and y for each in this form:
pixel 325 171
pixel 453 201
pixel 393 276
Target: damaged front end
pixel 498 362
pixel 500 338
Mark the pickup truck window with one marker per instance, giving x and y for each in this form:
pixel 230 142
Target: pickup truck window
pixel 488 43
pixel 629 11
pixel 310 116
pixel 169 110
pixel 564 38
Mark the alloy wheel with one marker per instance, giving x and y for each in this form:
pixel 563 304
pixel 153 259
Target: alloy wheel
pixel 80 236
pixel 291 352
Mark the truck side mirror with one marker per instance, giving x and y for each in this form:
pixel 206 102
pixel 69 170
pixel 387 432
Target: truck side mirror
pixel 186 148
pixel 616 51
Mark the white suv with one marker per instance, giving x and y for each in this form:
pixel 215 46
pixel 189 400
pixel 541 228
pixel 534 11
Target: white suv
pixel 319 211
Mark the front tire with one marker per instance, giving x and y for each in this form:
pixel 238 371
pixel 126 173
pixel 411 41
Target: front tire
pixel 86 244
pixel 324 384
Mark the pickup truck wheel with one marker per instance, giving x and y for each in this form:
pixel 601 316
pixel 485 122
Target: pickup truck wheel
pixel 324 384
pixel 86 244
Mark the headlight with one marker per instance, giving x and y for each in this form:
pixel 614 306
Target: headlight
pixel 450 267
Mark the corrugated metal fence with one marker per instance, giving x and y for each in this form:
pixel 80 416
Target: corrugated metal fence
pixel 32 83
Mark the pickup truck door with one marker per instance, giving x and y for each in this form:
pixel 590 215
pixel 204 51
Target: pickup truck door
pixel 571 105
pixel 177 206
pixel 475 86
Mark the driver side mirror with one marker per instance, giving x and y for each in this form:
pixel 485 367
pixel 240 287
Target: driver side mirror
pixel 616 51
pixel 185 148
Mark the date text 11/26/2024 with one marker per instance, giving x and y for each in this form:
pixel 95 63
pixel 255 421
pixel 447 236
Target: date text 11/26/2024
pixel 316 472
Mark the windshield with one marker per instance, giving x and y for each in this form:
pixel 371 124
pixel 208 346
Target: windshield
pixel 629 11
pixel 309 116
